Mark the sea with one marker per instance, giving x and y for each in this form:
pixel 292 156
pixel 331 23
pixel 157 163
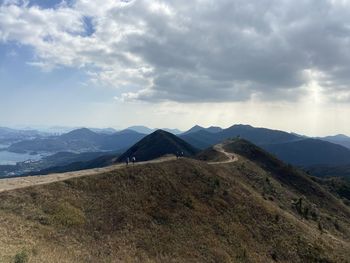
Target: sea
pixel 10 158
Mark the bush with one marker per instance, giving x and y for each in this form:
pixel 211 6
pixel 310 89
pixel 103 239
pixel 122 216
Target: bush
pixel 21 257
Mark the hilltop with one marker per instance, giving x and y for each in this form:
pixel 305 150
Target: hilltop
pixel 157 144
pixel 256 209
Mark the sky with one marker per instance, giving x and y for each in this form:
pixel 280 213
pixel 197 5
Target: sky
pixel 116 63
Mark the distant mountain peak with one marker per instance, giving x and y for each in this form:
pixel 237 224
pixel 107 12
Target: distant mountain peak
pixel 214 129
pixel 140 129
pixel 81 133
pixel 241 126
pixel 194 129
pixel 339 136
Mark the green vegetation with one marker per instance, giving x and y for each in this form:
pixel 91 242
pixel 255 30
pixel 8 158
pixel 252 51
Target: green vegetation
pixel 67 215
pixel 21 257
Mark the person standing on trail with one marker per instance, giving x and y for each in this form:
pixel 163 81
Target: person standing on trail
pixel 127 161
pixel 177 155
pixel 182 154
pixel 133 160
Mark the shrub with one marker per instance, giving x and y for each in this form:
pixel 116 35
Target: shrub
pixel 21 257
pixel 67 215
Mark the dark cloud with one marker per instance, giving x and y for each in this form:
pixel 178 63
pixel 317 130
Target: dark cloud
pixel 230 50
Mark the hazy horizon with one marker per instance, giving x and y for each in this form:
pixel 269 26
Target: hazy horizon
pixel 54 128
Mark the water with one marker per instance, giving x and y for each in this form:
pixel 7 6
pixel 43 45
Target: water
pixel 9 158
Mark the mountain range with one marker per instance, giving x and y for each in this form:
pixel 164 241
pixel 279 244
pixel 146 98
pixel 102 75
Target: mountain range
pixel 203 138
pixel 81 140
pixel 289 147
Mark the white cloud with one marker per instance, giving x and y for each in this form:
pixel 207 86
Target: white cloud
pixel 197 51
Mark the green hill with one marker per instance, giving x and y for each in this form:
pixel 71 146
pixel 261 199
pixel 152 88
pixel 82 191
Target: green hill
pixel 158 144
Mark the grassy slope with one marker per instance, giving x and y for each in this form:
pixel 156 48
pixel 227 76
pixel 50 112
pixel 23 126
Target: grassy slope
pixel 179 211
pixel 211 155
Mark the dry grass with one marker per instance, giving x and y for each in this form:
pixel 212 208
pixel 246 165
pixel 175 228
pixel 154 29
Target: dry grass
pixel 178 211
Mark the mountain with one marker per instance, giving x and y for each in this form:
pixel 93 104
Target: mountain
pixel 202 138
pixel 120 141
pixel 195 128
pixel 104 130
pixel 157 144
pixel 81 134
pixel 289 147
pixel 340 139
pixel 259 136
pixel 141 129
pixel 257 209
pixel 173 131
pixel 80 140
pixel 146 130
pixel 308 152
pixel 8 135
pixel 214 129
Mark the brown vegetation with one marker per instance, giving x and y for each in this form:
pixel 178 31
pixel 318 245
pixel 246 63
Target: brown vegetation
pixel 177 211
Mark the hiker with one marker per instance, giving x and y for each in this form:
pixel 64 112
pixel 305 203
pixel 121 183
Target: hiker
pixel 177 155
pixel 182 154
pixel 127 161
pixel 133 160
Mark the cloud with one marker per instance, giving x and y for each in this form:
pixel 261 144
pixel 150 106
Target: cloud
pixel 197 51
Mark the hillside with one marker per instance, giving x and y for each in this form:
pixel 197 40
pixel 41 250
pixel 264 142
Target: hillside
pixel 201 139
pixel 254 210
pixel 340 139
pixel 78 165
pixel 62 161
pixel 211 155
pixel 330 171
pixel 309 152
pixel 157 144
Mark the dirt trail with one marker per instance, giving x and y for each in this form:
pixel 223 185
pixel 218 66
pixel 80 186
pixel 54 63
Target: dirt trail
pixel 231 157
pixel 8 184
